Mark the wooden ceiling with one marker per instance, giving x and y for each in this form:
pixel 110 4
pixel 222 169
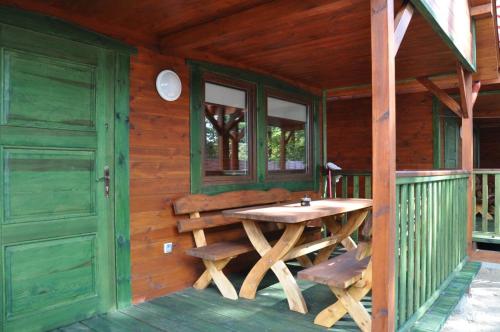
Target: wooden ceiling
pixel 323 44
pixel 487 108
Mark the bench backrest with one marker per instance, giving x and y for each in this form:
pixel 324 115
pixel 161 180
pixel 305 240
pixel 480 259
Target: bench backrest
pixel 195 205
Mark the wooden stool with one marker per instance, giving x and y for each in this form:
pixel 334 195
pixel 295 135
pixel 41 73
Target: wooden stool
pixel 349 277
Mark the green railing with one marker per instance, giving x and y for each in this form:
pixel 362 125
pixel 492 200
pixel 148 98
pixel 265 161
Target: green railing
pixel 431 226
pixel 352 184
pixel 486 216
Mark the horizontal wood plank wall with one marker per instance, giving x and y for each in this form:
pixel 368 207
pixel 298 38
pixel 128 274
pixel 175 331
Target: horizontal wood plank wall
pixel 159 171
pixel 349 132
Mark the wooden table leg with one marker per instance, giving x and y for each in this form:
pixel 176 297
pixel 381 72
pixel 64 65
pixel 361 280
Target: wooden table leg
pixel 271 259
pixel 335 226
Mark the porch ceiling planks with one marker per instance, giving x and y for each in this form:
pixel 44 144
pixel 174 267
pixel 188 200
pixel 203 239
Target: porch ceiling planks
pixel 321 44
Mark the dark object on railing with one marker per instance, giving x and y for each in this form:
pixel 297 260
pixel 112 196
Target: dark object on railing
pixel 305 201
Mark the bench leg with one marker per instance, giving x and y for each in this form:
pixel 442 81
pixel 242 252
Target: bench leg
pixel 349 243
pixel 205 279
pixel 271 259
pixel 221 281
pixel 355 309
pixel 304 261
pixel 330 315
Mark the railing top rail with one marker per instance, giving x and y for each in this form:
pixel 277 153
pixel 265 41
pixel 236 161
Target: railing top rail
pixel 351 172
pixel 413 173
pixel 408 177
pixel 487 171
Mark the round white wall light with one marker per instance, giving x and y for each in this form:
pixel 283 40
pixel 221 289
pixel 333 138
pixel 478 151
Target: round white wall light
pixel 168 85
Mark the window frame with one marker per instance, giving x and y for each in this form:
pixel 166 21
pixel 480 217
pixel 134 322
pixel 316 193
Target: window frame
pixel 249 89
pixel 286 175
pixel 198 70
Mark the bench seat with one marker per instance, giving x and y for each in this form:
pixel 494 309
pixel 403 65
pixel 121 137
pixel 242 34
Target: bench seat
pixel 227 249
pixel 339 272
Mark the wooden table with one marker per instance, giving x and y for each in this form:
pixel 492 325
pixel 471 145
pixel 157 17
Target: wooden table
pixel 295 217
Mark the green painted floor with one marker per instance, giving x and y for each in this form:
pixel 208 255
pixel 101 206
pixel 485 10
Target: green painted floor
pixel 207 311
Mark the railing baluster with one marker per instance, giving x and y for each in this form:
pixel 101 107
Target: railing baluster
pixel 403 257
pixel 425 241
pixel 355 186
pixel 484 226
pixel 418 253
pixel 497 204
pixel 368 186
pixel 411 247
pixel 474 203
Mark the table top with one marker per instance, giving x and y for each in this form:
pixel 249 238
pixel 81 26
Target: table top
pixel 293 213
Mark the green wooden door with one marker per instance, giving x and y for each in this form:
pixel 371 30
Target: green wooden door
pixel 56 137
pixel 451 142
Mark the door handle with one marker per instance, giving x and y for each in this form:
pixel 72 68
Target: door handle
pixel 107 181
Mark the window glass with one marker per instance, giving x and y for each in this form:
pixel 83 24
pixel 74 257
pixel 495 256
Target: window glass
pixel 226 131
pixel 286 136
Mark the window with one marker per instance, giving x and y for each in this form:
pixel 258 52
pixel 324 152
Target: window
pixel 228 113
pixel 250 131
pixel 287 136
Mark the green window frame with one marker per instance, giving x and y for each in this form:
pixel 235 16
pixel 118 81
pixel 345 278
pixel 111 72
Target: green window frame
pixel 263 84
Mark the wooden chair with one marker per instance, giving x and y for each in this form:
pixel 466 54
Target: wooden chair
pixel 349 277
pixel 204 213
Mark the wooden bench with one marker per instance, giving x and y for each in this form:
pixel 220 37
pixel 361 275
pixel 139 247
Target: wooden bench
pixel 349 277
pixel 204 213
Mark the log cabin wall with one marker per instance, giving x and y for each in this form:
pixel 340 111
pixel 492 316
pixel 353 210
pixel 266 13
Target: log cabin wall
pixel 159 162
pixel 159 173
pixel 349 142
pixel 489 148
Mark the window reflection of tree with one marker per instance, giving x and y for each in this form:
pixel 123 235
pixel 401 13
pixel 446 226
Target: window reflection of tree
pixel 225 136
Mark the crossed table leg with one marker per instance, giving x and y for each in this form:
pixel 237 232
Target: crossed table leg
pixel 272 256
pixel 272 259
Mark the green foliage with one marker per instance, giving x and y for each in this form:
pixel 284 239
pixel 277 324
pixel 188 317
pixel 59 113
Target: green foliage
pixel 295 149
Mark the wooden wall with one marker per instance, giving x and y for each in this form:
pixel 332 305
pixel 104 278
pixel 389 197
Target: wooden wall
pixel 349 132
pixel 489 152
pixel 159 172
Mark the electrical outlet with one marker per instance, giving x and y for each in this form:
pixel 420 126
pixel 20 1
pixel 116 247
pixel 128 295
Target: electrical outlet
pixel 167 247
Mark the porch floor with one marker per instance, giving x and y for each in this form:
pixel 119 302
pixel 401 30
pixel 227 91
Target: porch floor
pixel 204 311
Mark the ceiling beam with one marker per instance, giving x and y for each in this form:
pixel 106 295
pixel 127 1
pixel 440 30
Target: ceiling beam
pixel 263 18
pixel 401 23
pixel 440 94
pixel 444 82
pixel 482 11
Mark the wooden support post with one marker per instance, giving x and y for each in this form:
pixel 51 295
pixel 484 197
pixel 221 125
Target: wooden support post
pixel 467 98
pixel 384 164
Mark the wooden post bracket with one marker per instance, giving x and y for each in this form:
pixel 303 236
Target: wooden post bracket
pixel 401 23
pixel 443 97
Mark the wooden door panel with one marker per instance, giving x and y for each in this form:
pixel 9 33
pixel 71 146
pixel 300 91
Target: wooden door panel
pixel 46 274
pixel 47 92
pixel 42 184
